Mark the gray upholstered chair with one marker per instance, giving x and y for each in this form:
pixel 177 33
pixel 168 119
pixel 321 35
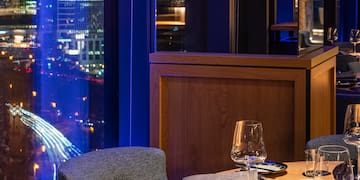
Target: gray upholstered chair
pixel 343 61
pixel 336 139
pixel 121 163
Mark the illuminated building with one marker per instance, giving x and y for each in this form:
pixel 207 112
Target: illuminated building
pixel 80 31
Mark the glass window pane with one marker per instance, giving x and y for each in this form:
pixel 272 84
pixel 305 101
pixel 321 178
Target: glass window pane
pixel 51 92
pixel 183 25
pixel 170 24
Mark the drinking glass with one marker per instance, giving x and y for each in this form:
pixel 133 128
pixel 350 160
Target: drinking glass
pixel 335 160
pixel 310 162
pixel 352 130
pixel 248 145
pixel 354 38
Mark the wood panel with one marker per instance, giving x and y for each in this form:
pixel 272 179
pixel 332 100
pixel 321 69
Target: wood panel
pixel 197 108
pixel 306 61
pixel 322 101
pixel 196 98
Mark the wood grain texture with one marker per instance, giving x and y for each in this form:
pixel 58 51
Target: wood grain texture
pixel 286 26
pixel 194 108
pixel 323 99
pixel 306 61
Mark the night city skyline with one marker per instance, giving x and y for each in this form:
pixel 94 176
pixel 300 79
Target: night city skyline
pixel 52 63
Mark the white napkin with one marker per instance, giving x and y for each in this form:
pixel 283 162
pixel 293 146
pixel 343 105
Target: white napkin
pixel 246 175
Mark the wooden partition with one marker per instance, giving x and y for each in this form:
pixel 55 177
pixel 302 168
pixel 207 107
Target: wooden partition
pixel 196 98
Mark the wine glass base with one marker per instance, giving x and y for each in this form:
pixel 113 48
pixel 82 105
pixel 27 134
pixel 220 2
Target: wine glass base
pixel 323 173
pixel 355 54
pixel 309 173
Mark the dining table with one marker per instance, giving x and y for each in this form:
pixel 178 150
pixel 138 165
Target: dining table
pixel 293 171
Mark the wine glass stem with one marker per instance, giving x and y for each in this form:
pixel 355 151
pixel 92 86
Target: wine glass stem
pixel 248 166
pixel 358 165
pixel 354 48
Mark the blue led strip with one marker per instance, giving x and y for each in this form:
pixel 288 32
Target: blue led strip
pixel 131 69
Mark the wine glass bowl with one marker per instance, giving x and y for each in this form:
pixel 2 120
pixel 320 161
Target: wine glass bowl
pixel 248 145
pixel 354 38
pixel 332 35
pixel 352 136
pixel 352 129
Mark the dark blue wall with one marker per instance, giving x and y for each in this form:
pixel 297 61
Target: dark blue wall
pixel 124 71
pixel 140 74
pixel 218 26
pixel 134 35
pixel 347 18
pixel 111 39
pixel 284 11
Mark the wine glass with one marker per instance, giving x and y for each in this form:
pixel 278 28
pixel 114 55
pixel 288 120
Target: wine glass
pixel 248 145
pixel 335 160
pixel 352 129
pixel 354 38
pixel 332 35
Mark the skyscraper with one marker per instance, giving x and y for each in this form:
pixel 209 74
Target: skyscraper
pixel 80 29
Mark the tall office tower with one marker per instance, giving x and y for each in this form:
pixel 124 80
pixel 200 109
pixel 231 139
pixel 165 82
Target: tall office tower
pixel 80 33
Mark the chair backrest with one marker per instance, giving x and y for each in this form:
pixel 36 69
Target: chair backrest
pixel 121 163
pixel 332 140
pixel 342 62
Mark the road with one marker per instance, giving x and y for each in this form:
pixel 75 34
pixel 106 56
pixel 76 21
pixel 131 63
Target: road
pixel 57 146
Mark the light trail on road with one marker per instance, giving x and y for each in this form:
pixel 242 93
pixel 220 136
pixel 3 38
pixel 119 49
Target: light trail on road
pixel 58 147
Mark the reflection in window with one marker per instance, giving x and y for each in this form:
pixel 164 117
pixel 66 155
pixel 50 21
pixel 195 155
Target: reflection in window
pixel 311 24
pixel 170 22
pixel 51 93
pixel 192 26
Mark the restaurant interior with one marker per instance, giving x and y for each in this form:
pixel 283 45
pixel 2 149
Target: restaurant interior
pixel 289 64
pixel 238 89
pixel 218 63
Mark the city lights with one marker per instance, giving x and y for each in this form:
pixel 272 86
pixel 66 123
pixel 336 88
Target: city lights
pixel 45 56
pixel 43 148
pixel 91 129
pixel 61 148
pixel 53 104
pixel 36 167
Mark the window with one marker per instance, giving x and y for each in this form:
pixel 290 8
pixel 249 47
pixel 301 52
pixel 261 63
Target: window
pixel 51 93
pixel 192 26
